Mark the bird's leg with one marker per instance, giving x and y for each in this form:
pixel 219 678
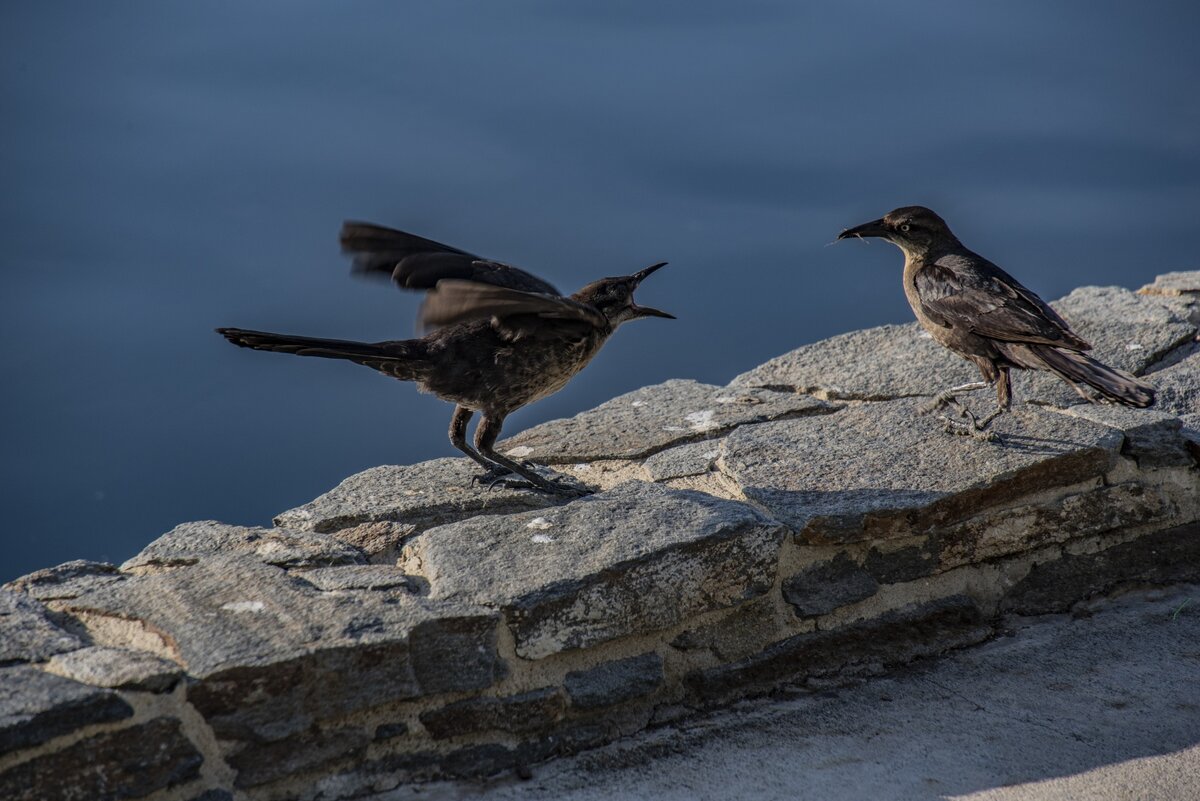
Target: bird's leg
pixel 974 427
pixel 947 397
pixel 485 439
pixel 1003 384
pixel 458 438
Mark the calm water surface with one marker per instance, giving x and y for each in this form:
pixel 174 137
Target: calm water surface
pixel 168 168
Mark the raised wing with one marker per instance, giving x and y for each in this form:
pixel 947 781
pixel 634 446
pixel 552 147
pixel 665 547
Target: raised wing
pixel 454 301
pixel 414 262
pixel 976 295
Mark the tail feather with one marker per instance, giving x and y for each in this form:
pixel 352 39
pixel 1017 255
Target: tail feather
pixel 404 359
pixel 1081 370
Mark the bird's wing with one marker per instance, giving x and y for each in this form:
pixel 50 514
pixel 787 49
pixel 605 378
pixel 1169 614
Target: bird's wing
pixel 414 262
pixel 972 293
pixel 454 301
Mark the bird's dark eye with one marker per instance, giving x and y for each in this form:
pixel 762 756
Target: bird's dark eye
pixel 905 227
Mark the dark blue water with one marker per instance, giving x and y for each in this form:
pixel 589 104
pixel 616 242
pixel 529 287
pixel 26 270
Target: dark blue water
pixel 168 168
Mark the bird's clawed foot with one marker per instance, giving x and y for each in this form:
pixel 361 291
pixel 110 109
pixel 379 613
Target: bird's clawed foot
pixel 503 477
pixel 970 426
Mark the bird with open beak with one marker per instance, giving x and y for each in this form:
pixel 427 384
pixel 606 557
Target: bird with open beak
pixel 498 338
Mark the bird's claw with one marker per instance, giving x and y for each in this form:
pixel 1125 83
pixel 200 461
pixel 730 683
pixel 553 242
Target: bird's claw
pixel 969 428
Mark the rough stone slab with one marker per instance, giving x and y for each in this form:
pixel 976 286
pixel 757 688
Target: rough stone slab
pixel 127 763
pixel 36 707
pixel 360 577
pixel 820 588
pixel 1178 386
pixel 421 495
pixel 66 580
pixel 882 470
pixel 638 558
pixel 1153 438
pixel 260 763
pixel 188 543
pixel 889 361
pixel 1174 284
pixel 693 459
pixel 389 731
pixel 893 638
pixel 649 419
pixel 615 682
pixel 27 634
pixel 735 636
pixel 118 668
pixel 895 565
pixel 271 654
pixel 1126 330
pixel 533 711
pixel 1165 557
pixel 213 795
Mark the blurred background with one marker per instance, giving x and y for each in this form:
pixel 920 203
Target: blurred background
pixel 169 167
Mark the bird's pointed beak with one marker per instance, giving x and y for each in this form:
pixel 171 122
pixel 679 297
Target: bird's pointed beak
pixel 873 228
pixel 642 275
pixel 647 311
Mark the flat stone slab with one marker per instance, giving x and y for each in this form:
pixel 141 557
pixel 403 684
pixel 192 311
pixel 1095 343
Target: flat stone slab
pixel 188 543
pixel 1154 438
pixel 638 558
pixel 647 420
pixel 422 495
pixel 28 633
pixel 36 707
pixel 360 577
pixel 693 459
pixel 889 361
pixel 66 580
pixel 881 470
pixel 270 654
pixel 118 668
pixel 1178 386
pixel 1174 284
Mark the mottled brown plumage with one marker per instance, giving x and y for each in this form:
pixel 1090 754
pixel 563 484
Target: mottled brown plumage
pixel 982 313
pixel 501 338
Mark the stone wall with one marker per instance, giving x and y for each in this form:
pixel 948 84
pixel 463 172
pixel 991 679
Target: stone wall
pixel 803 525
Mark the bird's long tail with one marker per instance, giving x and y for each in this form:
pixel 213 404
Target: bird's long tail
pixel 1109 383
pixel 406 359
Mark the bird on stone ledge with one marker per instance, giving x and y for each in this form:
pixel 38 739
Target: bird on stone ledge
pixel 980 312
pixel 501 338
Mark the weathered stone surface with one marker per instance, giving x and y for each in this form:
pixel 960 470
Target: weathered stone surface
pixel 272 655
pixel 1153 438
pixel 638 558
pixel 381 540
pixel 892 638
pixel 645 421
pixel 895 565
pixel 534 711
pixel 118 668
pixel 1127 331
pixel 882 470
pixel 213 795
pixel 737 634
pixel 1165 557
pixel 1174 284
pixel 820 588
pixel 36 707
pixel 266 762
pixel 1178 386
pixel 360 577
pixel 615 682
pixel 188 543
pixel 388 731
pixel 421 495
pixel 693 459
pixel 128 763
pixel 27 634
pixel 1097 510
pixel 66 580
pixel 889 361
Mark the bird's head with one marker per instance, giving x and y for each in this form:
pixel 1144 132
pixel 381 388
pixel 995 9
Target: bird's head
pixel 614 297
pixel 913 229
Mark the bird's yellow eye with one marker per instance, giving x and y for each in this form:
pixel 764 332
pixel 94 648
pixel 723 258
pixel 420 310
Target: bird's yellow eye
pixel 904 227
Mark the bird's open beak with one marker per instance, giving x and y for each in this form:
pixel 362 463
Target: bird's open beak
pixel 873 228
pixel 646 311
